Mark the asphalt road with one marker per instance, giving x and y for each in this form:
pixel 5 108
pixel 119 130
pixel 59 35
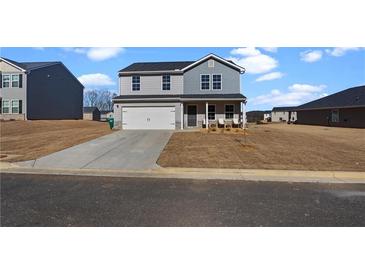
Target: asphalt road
pixel 43 200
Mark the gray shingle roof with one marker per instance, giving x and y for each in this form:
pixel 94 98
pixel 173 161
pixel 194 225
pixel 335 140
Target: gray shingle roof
pixel 284 109
pixel 31 65
pixel 157 66
pixel 351 97
pixel 184 96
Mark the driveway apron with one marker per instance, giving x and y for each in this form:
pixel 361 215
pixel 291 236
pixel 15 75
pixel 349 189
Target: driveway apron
pixel 132 149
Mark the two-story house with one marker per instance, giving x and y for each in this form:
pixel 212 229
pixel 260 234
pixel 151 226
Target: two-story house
pixel 39 90
pixel 179 95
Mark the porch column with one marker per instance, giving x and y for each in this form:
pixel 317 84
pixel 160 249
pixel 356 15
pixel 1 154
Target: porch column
pixel 243 114
pixel 206 116
pixel 181 115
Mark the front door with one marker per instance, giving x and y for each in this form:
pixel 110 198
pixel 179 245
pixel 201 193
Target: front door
pixel 192 113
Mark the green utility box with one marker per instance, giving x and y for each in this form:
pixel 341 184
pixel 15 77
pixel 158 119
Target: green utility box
pixel 111 122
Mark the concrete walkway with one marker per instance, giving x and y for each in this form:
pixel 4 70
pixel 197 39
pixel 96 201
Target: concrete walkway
pixel 133 149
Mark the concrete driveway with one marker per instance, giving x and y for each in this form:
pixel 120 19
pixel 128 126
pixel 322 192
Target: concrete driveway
pixel 134 149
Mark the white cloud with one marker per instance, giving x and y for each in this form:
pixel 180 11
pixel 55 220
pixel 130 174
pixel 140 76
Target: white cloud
pixel 272 49
pixel 306 88
pixel 253 60
pixel 297 94
pixel 311 56
pixel 96 79
pixel 100 54
pixel 97 54
pixel 337 52
pixel 270 76
pixel 246 51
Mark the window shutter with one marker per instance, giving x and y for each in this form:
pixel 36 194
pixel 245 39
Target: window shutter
pixel 20 80
pixel 1 80
pixel 20 106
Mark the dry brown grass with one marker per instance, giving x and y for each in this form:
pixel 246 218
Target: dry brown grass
pixel 27 140
pixel 271 146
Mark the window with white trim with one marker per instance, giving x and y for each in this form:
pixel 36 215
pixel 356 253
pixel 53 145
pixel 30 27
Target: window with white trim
pixel 217 81
pixel 166 82
pixel 15 80
pixel 5 106
pixel 204 82
pixel 335 116
pixel 15 106
pixel 6 80
pixel 136 82
pixel 211 112
pixel 229 111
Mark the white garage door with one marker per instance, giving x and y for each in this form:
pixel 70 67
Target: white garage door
pixel 148 117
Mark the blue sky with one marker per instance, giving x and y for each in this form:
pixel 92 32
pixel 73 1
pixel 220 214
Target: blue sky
pixel 274 76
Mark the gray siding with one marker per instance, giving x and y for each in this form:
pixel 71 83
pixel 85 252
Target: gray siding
pixel 14 93
pixel 54 93
pixel 230 79
pixel 151 85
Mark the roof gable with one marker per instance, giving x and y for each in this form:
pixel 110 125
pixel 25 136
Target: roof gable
pixel 27 66
pixel 177 66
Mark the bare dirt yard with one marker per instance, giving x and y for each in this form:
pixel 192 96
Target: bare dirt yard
pixel 271 146
pixel 27 140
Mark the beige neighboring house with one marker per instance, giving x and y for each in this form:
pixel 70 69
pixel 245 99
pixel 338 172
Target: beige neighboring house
pixel 91 113
pixel 106 114
pixel 283 114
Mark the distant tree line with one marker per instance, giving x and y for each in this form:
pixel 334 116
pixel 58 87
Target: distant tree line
pixel 100 99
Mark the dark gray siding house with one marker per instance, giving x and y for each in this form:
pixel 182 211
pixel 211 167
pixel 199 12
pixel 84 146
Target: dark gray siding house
pixel 342 109
pixel 91 113
pixel 39 91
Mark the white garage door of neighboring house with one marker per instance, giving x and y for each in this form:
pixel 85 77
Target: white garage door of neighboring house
pixel 148 117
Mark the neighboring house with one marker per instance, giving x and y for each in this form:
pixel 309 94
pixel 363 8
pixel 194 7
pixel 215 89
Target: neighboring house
pixel 179 95
pixel 39 90
pixel 342 109
pixel 283 114
pixel 105 114
pixel 267 115
pixel 258 115
pixel 91 113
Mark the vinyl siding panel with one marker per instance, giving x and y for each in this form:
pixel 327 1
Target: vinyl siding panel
pixel 348 117
pixel 230 79
pixel 53 93
pixel 151 85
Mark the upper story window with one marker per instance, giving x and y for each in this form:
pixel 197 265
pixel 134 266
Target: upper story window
pixel 217 81
pixel 205 82
pixel 15 80
pixel 166 82
pixel 136 82
pixel 6 80
pixel 11 81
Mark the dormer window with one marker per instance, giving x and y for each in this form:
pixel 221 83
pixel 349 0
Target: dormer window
pixel 205 82
pixel 136 82
pixel 166 82
pixel 217 81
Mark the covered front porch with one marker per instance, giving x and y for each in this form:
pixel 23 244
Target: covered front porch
pixel 213 113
